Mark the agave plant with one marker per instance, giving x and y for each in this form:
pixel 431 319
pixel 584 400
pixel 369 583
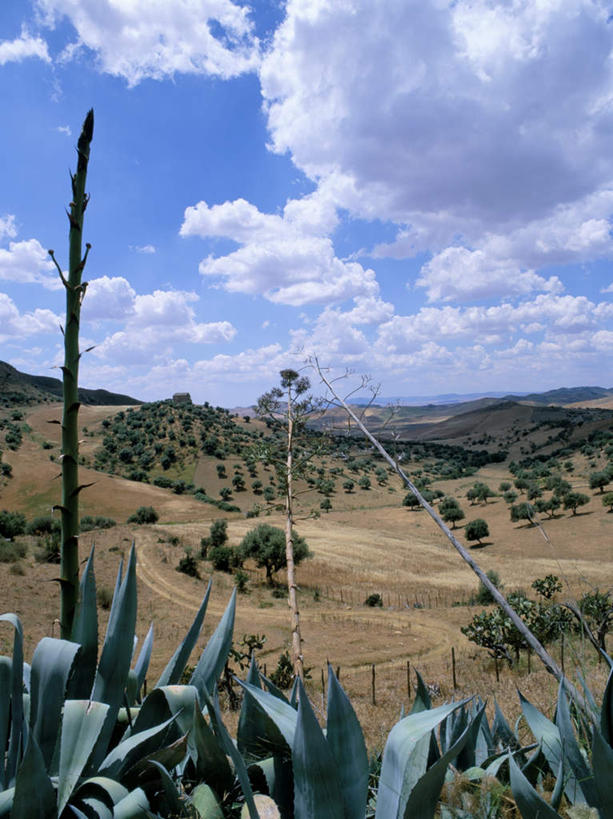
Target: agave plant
pixel 77 737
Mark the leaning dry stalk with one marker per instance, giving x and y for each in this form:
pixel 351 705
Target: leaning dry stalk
pixel 289 545
pixel 75 290
pixel 546 658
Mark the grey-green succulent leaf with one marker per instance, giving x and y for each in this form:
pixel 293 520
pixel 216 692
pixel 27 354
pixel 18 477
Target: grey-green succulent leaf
pixel 176 665
pixel 405 756
pixel 580 787
pixel 531 805
pixel 85 632
pixel 82 723
pixel 205 803
pixel 34 794
pixel 18 726
pixel 602 762
pixel 280 713
pixel 346 742
pixel 215 654
pixel 130 750
pixel 52 663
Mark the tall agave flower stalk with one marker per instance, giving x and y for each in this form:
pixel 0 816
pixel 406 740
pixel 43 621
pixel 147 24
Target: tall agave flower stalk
pixel 75 290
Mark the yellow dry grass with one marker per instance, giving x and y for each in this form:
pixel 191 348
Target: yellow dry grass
pixel 368 543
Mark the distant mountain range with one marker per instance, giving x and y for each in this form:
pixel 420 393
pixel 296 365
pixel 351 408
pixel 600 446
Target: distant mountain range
pixel 17 388
pixel 564 395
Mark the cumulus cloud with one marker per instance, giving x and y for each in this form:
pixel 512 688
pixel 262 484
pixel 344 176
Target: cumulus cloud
pixel 148 249
pixel 16 325
pixel 8 229
pixel 153 322
pixel 451 119
pixel 23 47
pixel 140 39
pixel 459 274
pixel 285 258
pixel 64 129
pixel 27 262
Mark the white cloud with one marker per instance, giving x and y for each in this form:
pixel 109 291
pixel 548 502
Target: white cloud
pixel 148 249
pixel 64 129
pixel 285 258
pixel 153 322
pixel 459 274
pixel 27 262
pixel 454 120
pixel 608 288
pixel 8 229
pixel 140 39
pixel 108 298
pixel 23 47
pixel 14 325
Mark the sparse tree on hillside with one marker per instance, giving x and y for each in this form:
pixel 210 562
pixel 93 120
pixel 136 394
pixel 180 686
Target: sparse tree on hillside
pixel 607 500
pixel 573 500
pixel 476 530
pixel 267 546
pixel 522 511
pixel 451 511
pixel 598 480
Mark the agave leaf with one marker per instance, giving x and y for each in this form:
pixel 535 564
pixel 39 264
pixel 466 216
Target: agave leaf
pixel 170 803
pixel 6 802
pixel 85 633
pixel 293 694
pixel 170 701
pixel 405 756
pixel 208 757
pixel 252 722
pixel 558 790
pixel 317 793
pixel 144 657
pixel 580 787
pixel 545 732
pixel 6 670
pixel 79 813
pixel 346 742
pixel 467 755
pixel 176 665
pixel 51 665
pixel 81 726
pixel 146 775
pixel 422 799
pixel 17 721
pixel 280 712
pixel 124 755
pixel 34 794
pixel 232 751
pixel 91 807
pixel 204 801
pixel 133 806
pixel 215 654
pixel 422 701
pixel 602 761
pixel 530 804
pixel 276 691
pixel 114 665
pixel 102 788
pixel 502 731
pixel 606 712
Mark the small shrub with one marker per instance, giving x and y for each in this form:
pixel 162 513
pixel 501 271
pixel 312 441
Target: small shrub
pixel 44 525
pixel 484 597
pixel 17 569
pixel 88 522
pixel 188 565
pixel 221 558
pixel 283 675
pixel 374 600
pixel 144 514
pixel 50 549
pixel 241 579
pixel 12 524
pixel 279 592
pixel 104 596
pixel 11 552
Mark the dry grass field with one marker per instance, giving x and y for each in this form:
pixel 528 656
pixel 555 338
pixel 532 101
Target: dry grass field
pixel 368 543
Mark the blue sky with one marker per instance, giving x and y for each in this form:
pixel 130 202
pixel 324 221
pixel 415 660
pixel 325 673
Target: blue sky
pixel 420 191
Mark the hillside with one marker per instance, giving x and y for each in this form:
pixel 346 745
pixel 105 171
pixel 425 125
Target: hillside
pixel 21 389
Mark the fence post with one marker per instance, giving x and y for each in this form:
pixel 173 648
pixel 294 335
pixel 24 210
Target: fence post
pixel 409 679
pixel 374 699
pixel 455 682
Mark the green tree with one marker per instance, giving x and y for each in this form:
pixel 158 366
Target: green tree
pixel 266 545
pixel 144 514
pixel 573 500
pixel 476 530
pixel 11 524
pixel 451 511
pixel 364 482
pixel 325 505
pixel 598 480
pixel 410 500
pixel 348 486
pixel 607 500
pixel 522 511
